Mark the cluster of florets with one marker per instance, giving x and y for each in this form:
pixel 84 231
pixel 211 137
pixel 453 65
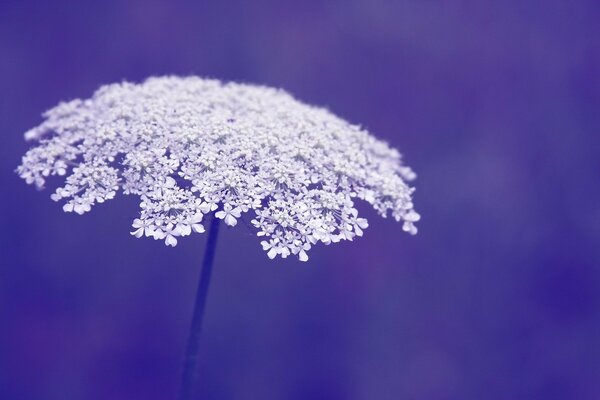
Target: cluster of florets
pixel 189 147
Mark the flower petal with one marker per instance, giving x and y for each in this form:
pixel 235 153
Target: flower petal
pixel 230 220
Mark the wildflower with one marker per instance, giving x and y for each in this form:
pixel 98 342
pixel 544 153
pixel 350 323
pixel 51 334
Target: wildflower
pixel 189 147
pixel 143 228
pixel 229 214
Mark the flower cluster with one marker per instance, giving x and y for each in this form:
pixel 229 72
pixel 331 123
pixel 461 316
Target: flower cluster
pixel 189 147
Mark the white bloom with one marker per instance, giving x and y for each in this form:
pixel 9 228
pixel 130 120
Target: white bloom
pixel 272 247
pixel 170 234
pixel 142 228
pixel 195 223
pixel 229 214
pixel 358 223
pixel 190 147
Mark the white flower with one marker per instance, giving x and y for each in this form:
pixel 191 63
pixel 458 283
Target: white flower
pixel 358 223
pixel 206 207
pixel 195 223
pixel 170 234
pixel 189 147
pixel 272 247
pixel 229 214
pixel 300 249
pixel 142 228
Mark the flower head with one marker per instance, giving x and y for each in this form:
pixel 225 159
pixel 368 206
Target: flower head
pixel 190 146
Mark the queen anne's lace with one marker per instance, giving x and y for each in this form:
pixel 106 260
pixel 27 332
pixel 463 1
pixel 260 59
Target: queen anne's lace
pixel 191 146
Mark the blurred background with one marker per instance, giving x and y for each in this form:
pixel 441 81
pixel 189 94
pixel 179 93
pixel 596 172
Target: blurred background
pixel 496 105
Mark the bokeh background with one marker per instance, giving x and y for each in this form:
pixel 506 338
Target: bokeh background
pixel 496 105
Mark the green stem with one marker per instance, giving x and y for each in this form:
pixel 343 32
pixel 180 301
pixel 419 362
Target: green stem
pixel 191 355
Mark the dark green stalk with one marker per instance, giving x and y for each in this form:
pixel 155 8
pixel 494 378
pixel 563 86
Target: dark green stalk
pixel 193 345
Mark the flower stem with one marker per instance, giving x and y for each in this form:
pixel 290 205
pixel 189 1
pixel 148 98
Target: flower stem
pixel 193 345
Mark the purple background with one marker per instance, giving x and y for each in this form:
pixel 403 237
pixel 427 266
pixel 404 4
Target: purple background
pixel 496 105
